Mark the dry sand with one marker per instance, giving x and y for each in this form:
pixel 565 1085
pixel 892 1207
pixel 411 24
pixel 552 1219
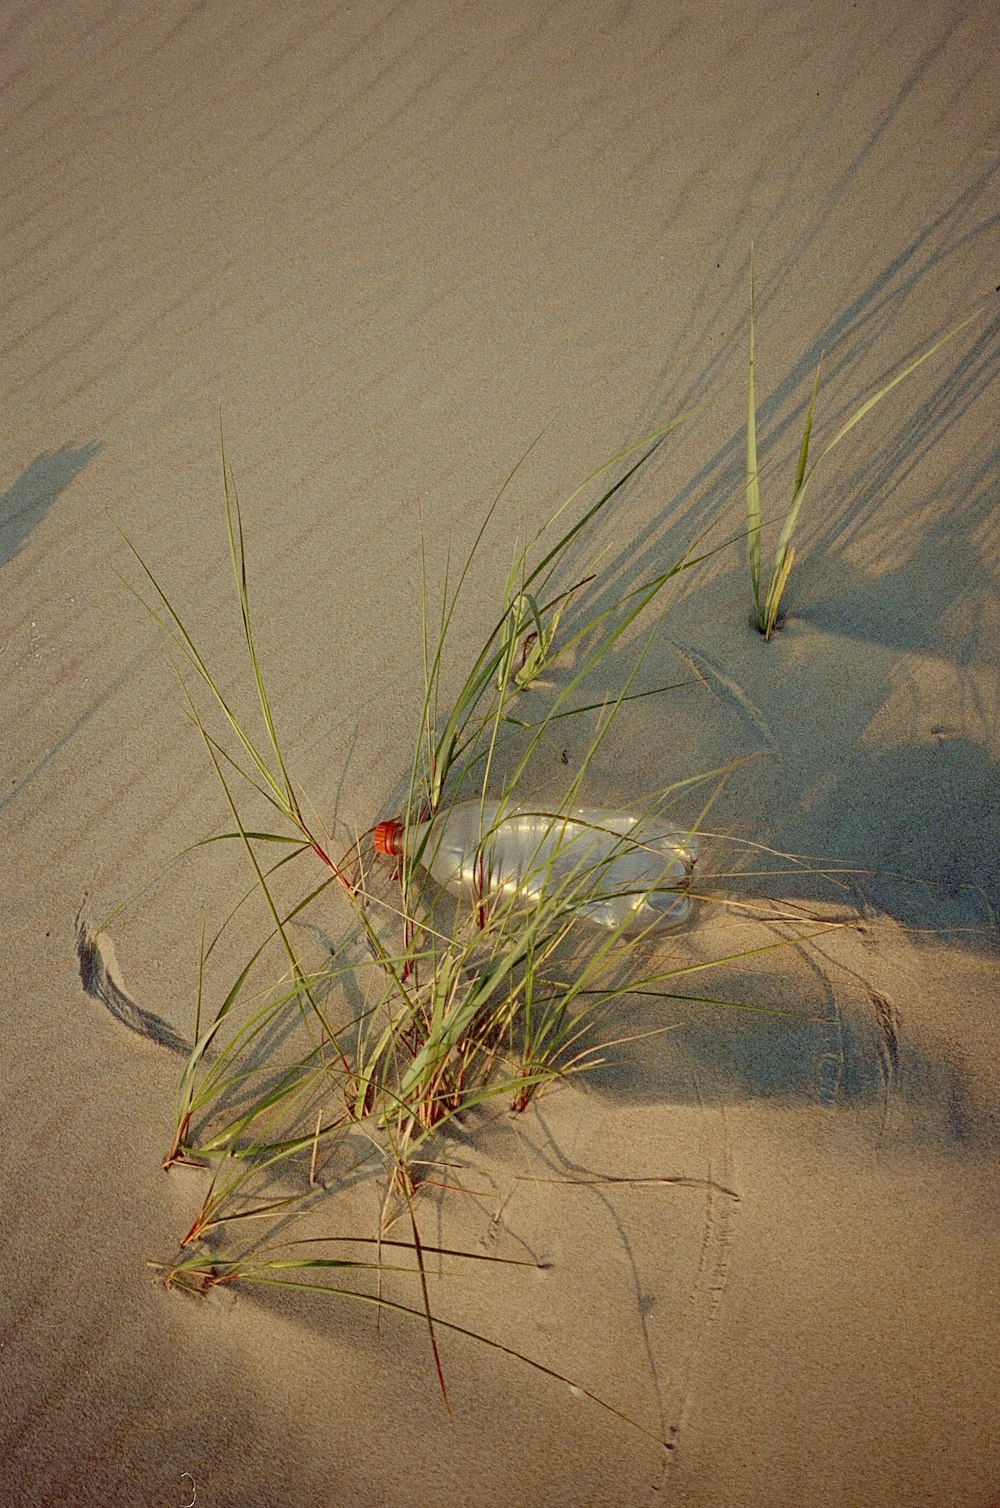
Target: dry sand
pixel 393 242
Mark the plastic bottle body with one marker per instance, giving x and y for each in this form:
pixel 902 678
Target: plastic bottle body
pixel 613 868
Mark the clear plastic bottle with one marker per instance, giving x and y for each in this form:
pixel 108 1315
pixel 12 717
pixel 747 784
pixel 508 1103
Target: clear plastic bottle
pixel 613 868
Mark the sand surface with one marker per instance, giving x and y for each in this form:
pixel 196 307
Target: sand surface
pixel 394 244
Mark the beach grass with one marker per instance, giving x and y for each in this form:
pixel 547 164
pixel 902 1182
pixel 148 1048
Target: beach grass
pixel 430 1008
pixel 767 599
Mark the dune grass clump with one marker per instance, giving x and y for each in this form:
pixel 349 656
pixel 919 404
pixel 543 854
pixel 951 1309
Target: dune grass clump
pixel 307 1073
pixel 461 1003
pixel 304 1074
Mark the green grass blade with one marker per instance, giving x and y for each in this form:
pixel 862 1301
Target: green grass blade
pixel 883 392
pixel 174 630
pixel 392 1306
pixel 777 587
pixel 753 478
pixel 782 560
pixel 237 551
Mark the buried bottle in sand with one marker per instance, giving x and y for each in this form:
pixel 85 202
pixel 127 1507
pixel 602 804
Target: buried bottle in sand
pixel 615 869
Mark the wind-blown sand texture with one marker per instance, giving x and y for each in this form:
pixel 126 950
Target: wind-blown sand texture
pixel 394 242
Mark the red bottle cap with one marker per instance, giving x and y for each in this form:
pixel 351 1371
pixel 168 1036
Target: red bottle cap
pixel 388 838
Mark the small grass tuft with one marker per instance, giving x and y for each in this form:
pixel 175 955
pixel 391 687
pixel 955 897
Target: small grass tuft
pixel 767 602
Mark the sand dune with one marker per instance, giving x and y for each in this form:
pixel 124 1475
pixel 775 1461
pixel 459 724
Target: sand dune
pixel 393 245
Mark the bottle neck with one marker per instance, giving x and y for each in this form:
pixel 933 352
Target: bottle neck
pixel 388 838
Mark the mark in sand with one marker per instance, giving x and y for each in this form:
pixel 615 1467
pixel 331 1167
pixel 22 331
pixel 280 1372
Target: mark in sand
pixel 100 984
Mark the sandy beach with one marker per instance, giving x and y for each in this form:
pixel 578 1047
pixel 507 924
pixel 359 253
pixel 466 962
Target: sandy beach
pixel 393 251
